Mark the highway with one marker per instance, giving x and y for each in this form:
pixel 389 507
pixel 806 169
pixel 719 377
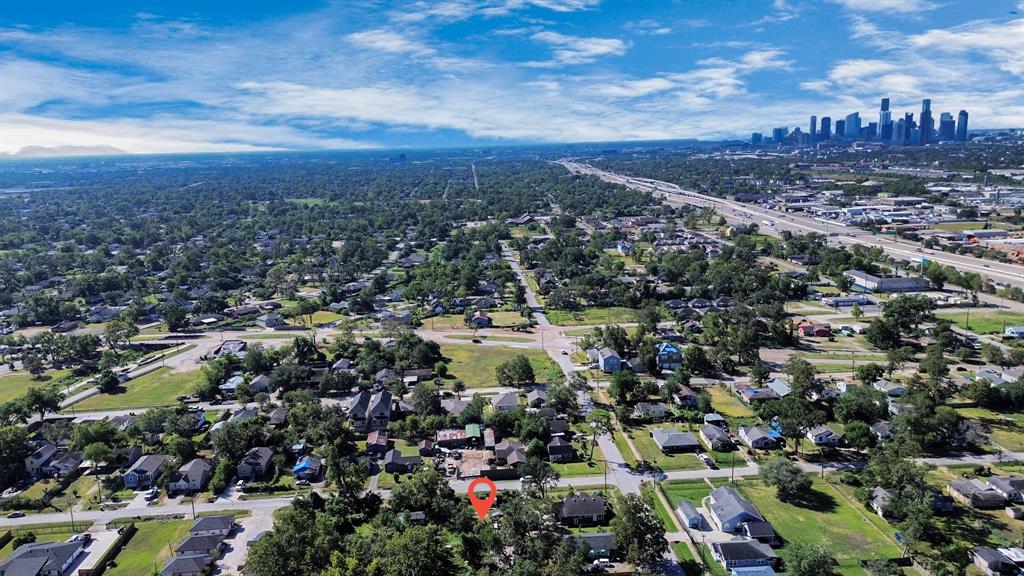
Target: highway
pixel 773 222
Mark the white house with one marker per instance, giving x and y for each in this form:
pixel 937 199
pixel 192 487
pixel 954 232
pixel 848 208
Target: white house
pixel 823 436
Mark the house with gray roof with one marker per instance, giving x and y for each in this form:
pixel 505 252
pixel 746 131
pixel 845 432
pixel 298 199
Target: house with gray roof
pixel 506 402
pixel 673 441
pixel 759 437
pixel 212 526
pixel 145 471
pixel 741 553
pixel 580 510
pixel 729 509
pixel 191 477
pixel 1011 487
pixel 42 559
pixel 255 463
pixel 716 438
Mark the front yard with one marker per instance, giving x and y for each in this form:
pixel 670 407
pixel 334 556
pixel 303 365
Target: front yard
pixel 158 388
pixel 475 364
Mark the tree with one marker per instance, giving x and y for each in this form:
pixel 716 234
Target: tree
pixel 897 357
pixel 107 382
pixel 789 481
pixel 806 559
pixel 514 372
pixel 859 435
pixel 934 364
pixel 458 386
pixel 426 401
pixel 120 331
pixel 600 423
pixel 258 359
pixel 624 386
pixel 802 378
pixel 883 333
pixel 43 399
pixel 542 475
pixel 418 550
pixel 856 311
pixel 174 316
pixel 982 392
pixel 695 360
pixel 639 534
pixel 33 364
pixel 759 373
pixel 868 373
pixel 97 453
pixel 14 448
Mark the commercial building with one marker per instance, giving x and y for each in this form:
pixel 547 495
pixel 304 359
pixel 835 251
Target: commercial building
pixel 872 283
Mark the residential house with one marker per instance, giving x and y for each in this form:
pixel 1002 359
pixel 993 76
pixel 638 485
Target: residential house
pixel 561 450
pixel 763 532
pixel 598 544
pixel 191 477
pixel 377 444
pixel 370 412
pixel 145 471
pixel 686 397
pixel 506 402
pixel 823 436
pixel 715 438
pixel 536 398
pixel 394 462
pixel 759 437
pixel 975 494
pixel 780 386
pixel 209 546
pixel 690 515
pixel 260 383
pixel 123 422
pixel 65 464
pixel 608 360
pixel 40 457
pixel 1011 487
pixel 256 463
pixel 882 429
pixel 451 438
pixel 581 510
pixel 270 321
pixel 42 559
pixel 729 510
pixel 480 319
pixel 193 565
pixel 674 442
pixel 752 395
pixel 668 356
pixel 891 388
pixel 454 406
pixel 650 411
pixel 277 417
pixel 816 330
pixel 504 451
pixel 880 498
pixel 308 467
pixel 212 526
pixel 743 553
pixel 993 562
pixel 716 419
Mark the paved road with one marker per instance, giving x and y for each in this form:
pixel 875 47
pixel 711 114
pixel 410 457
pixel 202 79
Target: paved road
pixel 778 221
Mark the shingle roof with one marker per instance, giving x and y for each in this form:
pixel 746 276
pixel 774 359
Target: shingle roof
pixel 727 503
pixel 673 439
pixel 581 505
pixel 209 523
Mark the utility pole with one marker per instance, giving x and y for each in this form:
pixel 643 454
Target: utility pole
pixel 193 505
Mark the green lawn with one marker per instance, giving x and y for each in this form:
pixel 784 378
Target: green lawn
pixel 651 453
pixel 647 490
pixel 620 443
pixel 865 357
pixel 150 547
pixel 828 519
pixel 692 490
pixel 499 338
pixel 17 383
pixel 1007 429
pixel 988 322
pixel 475 365
pixel 611 315
pixel 728 405
pixel 961 226
pixel 157 388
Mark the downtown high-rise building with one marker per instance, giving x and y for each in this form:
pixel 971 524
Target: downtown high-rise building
pixel 927 124
pixel 852 126
pixel 779 134
pixel 947 127
pixel 756 138
pixel 961 126
pixel 826 128
pixel 840 128
pixel 813 133
pixel 885 121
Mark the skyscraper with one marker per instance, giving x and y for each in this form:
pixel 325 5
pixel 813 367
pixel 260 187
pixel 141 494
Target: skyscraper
pixel 900 132
pixel 756 138
pixel 871 131
pixel 779 134
pixel 813 134
pixel 853 126
pixel 961 126
pixel 840 128
pixel 826 128
pixel 885 121
pixel 908 128
pixel 927 124
pixel 947 127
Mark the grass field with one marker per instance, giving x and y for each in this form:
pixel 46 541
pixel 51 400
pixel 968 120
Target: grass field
pixel 157 388
pixel 498 338
pixel 827 518
pixel 620 442
pixel 150 547
pixel 651 453
pixel 865 357
pixel 17 383
pixel 612 315
pixel 961 226
pixel 475 365
pixel 319 317
pixel 983 322
pixel 1007 429
pixel 728 405
pixel 525 232
pixel 647 490
pixel 692 490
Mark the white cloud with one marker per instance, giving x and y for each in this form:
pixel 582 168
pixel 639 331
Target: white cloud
pixel 888 6
pixel 636 88
pixel 647 27
pixel 577 49
pixel 1003 42
pixel 388 41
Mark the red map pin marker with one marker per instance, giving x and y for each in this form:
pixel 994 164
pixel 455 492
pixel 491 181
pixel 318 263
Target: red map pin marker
pixel 482 505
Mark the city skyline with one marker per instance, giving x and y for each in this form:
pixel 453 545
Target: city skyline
pixel 152 77
pixel 901 131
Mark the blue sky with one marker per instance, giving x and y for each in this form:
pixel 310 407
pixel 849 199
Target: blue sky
pixel 152 77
